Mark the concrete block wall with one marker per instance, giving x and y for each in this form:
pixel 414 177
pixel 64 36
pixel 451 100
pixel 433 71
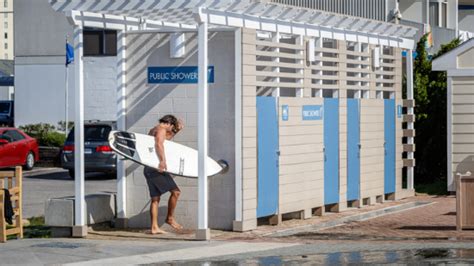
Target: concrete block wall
pixel 146 103
pixel 301 158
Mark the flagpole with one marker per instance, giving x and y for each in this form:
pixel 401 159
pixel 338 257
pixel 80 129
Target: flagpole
pixel 66 96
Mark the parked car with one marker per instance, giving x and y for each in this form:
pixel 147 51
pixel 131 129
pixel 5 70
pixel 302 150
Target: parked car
pixel 17 148
pixel 6 113
pixel 98 156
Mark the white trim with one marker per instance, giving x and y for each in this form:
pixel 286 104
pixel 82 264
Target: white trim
pixel 232 19
pixel 238 124
pixel 121 121
pixel 79 191
pixel 449 113
pixel 202 127
pixel 461 72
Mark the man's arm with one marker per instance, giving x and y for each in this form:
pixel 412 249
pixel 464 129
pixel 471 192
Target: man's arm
pixel 160 148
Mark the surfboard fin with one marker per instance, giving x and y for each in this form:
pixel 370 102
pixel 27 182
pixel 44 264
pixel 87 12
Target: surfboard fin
pixel 224 165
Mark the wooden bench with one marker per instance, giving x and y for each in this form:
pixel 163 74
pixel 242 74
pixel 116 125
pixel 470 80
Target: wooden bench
pixel 11 180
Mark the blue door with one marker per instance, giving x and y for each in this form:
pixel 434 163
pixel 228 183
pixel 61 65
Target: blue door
pixel 331 150
pixel 267 151
pixel 353 149
pixel 389 129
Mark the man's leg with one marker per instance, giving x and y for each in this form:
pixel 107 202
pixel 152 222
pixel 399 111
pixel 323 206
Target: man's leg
pixel 173 201
pixel 155 229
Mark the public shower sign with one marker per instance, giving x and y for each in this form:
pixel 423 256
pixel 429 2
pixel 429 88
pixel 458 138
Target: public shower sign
pixel 312 112
pixel 177 75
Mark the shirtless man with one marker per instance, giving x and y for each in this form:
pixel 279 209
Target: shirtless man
pixel 159 182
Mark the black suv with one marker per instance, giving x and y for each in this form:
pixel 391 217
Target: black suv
pixel 6 113
pixel 98 156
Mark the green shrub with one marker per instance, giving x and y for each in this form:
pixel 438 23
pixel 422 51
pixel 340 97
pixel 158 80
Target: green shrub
pixel 53 139
pixel 45 134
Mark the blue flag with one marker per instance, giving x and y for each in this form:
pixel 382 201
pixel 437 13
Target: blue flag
pixel 69 54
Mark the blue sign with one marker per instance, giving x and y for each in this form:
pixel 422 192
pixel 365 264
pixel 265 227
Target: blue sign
pixel 312 112
pixel 177 75
pixel 285 112
pixel 399 111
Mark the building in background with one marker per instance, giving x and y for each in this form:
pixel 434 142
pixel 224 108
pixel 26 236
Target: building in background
pixel 40 71
pixel 6 50
pixel 6 29
pixel 446 19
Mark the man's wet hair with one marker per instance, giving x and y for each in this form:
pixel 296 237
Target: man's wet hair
pixel 169 119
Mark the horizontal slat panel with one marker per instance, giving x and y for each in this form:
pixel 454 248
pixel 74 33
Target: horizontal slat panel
pixel 408 162
pixel 278 55
pixel 408 103
pixel 279 45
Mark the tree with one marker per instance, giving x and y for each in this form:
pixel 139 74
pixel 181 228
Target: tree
pixel 430 98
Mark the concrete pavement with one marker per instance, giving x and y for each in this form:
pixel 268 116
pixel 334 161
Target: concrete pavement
pixel 393 232
pixel 41 184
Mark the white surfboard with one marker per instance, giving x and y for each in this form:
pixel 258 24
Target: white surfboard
pixel 180 160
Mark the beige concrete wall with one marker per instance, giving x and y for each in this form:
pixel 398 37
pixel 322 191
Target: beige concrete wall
pixel 463 124
pixel 302 159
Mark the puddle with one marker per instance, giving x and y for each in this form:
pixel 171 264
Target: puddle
pixel 419 256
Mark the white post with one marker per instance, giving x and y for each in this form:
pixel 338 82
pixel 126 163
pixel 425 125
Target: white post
pixel 80 228
pixel 276 90
pixel 121 113
pixel 203 232
pixel 410 125
pixel 300 90
pixel 66 105
pixel 238 125
pixel 449 121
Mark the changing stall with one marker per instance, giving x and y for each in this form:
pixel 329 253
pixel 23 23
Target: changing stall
pixel 305 106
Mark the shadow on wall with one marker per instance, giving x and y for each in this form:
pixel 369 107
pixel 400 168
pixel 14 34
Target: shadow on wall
pixel 147 102
pixel 466 165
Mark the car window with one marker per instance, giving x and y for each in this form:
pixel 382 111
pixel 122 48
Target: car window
pixel 93 133
pixel 13 135
pixel 4 108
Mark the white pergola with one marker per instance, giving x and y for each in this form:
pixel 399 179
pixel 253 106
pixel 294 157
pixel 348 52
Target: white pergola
pixel 192 15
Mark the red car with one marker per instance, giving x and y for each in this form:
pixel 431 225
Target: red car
pixel 17 148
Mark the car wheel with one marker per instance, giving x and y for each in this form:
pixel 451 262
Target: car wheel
pixel 30 161
pixel 71 173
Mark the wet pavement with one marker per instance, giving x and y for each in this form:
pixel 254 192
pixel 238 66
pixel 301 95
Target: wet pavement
pixel 413 257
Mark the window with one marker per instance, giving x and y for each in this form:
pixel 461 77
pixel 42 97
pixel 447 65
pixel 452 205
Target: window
pixel 100 42
pixel 13 135
pixel 434 14
pixel 6 35
pixel 5 3
pixel 5 25
pixel 6 45
pixel 444 15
